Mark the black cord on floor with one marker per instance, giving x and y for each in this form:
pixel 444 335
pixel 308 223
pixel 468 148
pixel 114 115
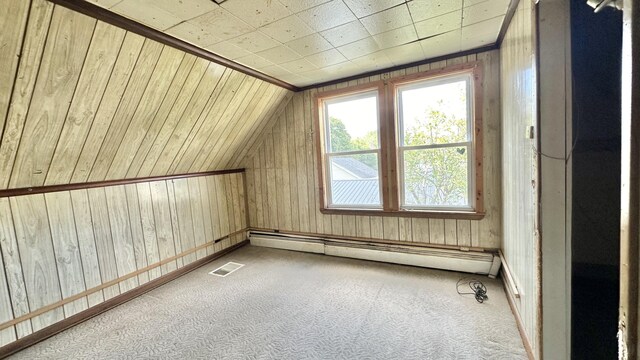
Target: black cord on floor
pixel 477 289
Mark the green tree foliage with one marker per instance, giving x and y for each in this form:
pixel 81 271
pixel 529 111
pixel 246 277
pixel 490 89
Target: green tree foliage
pixel 432 176
pixel 436 176
pixel 342 141
pixel 340 138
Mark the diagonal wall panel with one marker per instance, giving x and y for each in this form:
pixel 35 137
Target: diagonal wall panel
pixel 91 102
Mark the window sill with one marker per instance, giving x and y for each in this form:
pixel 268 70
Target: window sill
pixel 434 214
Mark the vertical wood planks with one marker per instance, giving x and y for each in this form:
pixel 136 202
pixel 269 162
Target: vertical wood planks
pixel 150 102
pixel 37 257
pixel 13 268
pixel 288 198
pixel 66 249
pixel 147 219
pixel 87 244
pixel 59 244
pixel 121 234
pixel 137 234
pixel 127 106
pixel 82 100
pixel 118 81
pixel 67 44
pixel 164 228
pixel 33 46
pixel 13 21
pixel 103 240
pixel 6 312
pixel 91 86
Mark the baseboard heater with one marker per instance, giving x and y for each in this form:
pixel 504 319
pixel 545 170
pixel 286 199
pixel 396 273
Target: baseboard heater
pixel 475 262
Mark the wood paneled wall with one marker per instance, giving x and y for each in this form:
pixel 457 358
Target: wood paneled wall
pixel 57 245
pixel 82 100
pixel 521 244
pixel 282 181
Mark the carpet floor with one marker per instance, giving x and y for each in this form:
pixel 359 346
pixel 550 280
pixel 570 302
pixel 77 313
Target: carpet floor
pixel 290 305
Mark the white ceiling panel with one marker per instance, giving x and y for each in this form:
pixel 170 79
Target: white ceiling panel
pixel 254 41
pixel 405 54
pixel 196 34
pixel 426 9
pixel 326 58
pixel 480 34
pixel 279 54
pixel 185 9
pixel 483 11
pixel 254 61
pixel 443 44
pixel 403 35
pixel 374 61
pixel 144 11
pixel 312 41
pixel 326 16
pixel 287 29
pixel 387 20
pixel 439 24
pixel 223 23
pixel 228 50
pixel 295 6
pixel 364 8
pixel 257 13
pixel 299 66
pixel 358 48
pixel 345 34
pixel 309 45
pixel 105 3
pixel 275 70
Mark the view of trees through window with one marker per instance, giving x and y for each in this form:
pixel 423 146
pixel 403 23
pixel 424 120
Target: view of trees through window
pixel 434 150
pixel 436 176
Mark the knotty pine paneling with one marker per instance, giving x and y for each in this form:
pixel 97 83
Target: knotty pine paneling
pixel 519 163
pixel 282 179
pixel 87 101
pixel 61 244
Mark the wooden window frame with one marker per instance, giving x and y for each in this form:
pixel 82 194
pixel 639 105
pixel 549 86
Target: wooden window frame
pixel 389 154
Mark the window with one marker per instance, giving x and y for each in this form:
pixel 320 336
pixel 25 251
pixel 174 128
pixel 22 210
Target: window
pixel 435 143
pixel 352 150
pixel 410 146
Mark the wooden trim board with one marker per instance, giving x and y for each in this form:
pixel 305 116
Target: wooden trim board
pixel 95 184
pixel 107 284
pixel 511 11
pixel 85 315
pixel 516 315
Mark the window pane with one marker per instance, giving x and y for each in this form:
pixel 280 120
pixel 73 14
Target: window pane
pixel 353 122
pixel 354 180
pixel 433 113
pixel 436 177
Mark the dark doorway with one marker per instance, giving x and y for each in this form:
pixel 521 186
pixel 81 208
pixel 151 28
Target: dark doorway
pixel 596 61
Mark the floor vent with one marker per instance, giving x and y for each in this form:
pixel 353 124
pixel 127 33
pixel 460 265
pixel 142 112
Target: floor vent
pixel 226 269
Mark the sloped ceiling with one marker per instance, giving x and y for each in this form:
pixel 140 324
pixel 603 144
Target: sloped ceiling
pixel 305 42
pixel 82 100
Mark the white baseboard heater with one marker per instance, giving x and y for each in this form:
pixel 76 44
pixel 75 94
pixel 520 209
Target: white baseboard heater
pixel 475 262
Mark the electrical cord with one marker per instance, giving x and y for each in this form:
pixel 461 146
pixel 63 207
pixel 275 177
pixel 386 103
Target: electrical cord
pixel 478 290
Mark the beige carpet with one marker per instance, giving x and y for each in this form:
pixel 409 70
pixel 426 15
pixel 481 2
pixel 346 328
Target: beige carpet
pixel 289 305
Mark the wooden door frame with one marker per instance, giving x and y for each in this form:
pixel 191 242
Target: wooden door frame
pixel 554 144
pixel 630 183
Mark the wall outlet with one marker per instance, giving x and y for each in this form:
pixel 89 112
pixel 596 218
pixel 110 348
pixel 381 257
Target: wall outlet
pixel 530 133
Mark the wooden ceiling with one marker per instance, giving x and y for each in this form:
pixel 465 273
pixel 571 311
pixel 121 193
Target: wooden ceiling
pixel 304 42
pixel 82 100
